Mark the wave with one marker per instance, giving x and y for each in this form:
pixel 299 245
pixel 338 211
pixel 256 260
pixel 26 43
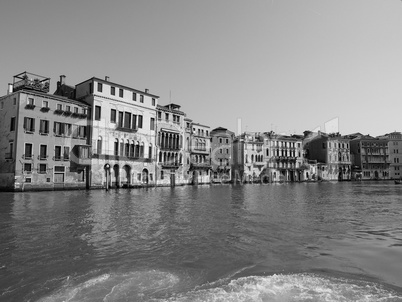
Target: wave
pixel 163 286
pixel 289 288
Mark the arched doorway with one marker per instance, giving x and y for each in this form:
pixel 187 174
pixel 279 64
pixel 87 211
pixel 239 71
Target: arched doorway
pixel 126 176
pixel 116 176
pixel 145 176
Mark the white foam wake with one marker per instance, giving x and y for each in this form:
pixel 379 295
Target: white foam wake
pixel 287 288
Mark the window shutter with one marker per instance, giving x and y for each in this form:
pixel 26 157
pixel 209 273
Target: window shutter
pixel 25 123
pixel 33 125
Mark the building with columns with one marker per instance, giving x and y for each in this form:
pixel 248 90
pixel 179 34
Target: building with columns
pixel 122 133
pixel 170 146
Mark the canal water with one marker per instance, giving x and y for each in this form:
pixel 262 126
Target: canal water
pixel 289 242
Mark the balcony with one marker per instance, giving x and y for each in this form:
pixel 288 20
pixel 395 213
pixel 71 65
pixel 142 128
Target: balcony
pixel 30 81
pixel 59 111
pixel 28 156
pixel 30 106
pixel 168 165
pixel 42 157
pixel 124 129
pixel 200 150
pixel 44 109
pixel 200 166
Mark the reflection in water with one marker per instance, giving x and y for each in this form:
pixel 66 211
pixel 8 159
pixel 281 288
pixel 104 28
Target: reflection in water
pixel 203 243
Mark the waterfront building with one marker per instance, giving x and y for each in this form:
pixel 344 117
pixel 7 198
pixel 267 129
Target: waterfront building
pixel 122 133
pixel 284 157
pixel 221 154
pixel 395 154
pixel 43 138
pixel 200 153
pixel 370 157
pixel 248 158
pixel 170 147
pixel 332 152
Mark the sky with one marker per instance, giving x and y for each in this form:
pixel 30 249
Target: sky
pixel 281 65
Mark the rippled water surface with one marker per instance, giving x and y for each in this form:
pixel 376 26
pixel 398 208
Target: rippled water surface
pixel 293 242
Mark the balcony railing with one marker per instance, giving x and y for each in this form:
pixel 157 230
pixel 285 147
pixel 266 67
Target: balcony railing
pixel 30 106
pixel 200 166
pixel 28 156
pixel 42 157
pixel 124 129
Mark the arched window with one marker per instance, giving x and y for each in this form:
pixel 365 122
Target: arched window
pixel 99 145
pixel 150 151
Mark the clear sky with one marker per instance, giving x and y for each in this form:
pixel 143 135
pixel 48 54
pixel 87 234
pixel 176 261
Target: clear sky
pixel 282 65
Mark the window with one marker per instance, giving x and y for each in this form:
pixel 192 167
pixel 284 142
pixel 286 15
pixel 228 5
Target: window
pixel 139 176
pixel 140 121
pixel 150 151
pixel 75 109
pixel 66 153
pixel 28 168
pixel 45 104
pixel 44 127
pixel 227 141
pixel 167 116
pixel 152 123
pixel 43 152
pixel 12 124
pixel 15 101
pixel 68 129
pixel 324 145
pixel 121 113
pixel 121 92
pixel 99 146
pixel 31 101
pixel 57 153
pixel 97 113
pixel 141 98
pixel 11 151
pixel 151 177
pixel 59 107
pixel 134 96
pixel 153 102
pixel 113 115
pixel 42 169
pixel 134 122
pixel 68 108
pixel 58 128
pixel 162 174
pixel 100 87
pixel 159 115
pixel 29 124
pixel 28 151
pixel 127 120
pixel 112 90
pixel 91 88
pixel 116 147
pixel 82 131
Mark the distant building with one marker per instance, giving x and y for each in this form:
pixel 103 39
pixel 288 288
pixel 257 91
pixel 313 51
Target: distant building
pixel 248 158
pixel 395 154
pixel 200 153
pixel 122 134
pixel 170 143
pixel 284 156
pixel 221 154
pixel 43 138
pixel 332 153
pixel 370 157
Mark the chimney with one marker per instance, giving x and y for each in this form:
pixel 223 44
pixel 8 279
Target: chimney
pixel 106 78
pixel 146 90
pixel 10 88
pixel 62 79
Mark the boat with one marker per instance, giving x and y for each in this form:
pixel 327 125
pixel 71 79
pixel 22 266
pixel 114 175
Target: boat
pixel 398 181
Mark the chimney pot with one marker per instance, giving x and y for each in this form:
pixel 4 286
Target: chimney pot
pixel 10 88
pixel 146 90
pixel 62 79
pixel 106 78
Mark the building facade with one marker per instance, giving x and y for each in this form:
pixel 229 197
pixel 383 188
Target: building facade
pixel 170 145
pixel 43 141
pixel 221 154
pixel 284 157
pixel 370 158
pixel 332 153
pixel 395 154
pixel 199 145
pixel 122 133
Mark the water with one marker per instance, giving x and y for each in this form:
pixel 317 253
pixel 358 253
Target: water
pixel 292 242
